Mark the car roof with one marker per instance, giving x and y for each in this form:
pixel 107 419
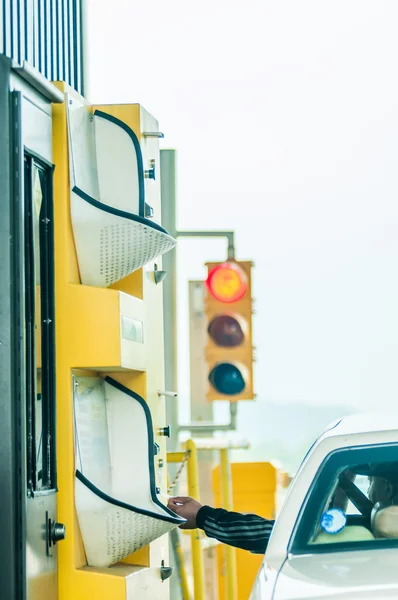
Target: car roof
pixel 364 423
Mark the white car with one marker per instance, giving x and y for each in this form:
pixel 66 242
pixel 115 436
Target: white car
pixel 337 533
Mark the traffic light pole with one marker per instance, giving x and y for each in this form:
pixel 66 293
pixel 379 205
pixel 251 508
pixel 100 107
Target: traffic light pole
pixel 169 264
pixel 230 235
pixel 209 426
pixel 169 211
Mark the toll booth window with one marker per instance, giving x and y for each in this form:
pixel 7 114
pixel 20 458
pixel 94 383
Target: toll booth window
pixel 353 502
pixel 39 323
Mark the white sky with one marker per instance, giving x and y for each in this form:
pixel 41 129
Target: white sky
pixel 285 118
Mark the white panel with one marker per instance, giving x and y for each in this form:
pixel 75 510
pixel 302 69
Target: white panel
pixel 132 327
pixel 150 151
pixel 110 247
pixel 110 533
pixel 128 442
pixel 112 239
pixel 91 435
pixel 82 153
pixel 118 174
pixel 36 130
pixel 113 451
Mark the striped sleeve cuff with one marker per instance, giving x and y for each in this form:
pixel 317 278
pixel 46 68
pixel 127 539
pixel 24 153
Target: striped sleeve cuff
pixel 203 513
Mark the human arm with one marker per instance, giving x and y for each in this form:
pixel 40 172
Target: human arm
pixel 246 531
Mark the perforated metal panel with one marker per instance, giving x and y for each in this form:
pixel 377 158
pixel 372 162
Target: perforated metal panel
pixel 118 507
pixel 47 35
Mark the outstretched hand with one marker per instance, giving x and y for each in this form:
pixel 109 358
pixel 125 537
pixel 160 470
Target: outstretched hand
pixel 187 508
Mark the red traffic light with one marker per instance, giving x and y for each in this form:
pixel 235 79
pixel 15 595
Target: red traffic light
pixel 227 282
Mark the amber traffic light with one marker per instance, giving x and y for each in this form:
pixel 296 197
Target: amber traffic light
pixel 229 348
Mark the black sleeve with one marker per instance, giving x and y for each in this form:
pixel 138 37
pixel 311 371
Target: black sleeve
pixel 249 532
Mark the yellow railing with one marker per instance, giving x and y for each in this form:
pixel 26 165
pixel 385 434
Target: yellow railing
pixel 179 457
pixel 175 539
pixel 193 491
pixel 226 489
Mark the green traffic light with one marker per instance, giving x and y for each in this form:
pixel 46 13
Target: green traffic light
pixel 227 379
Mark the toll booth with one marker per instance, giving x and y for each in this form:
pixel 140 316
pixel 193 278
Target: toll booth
pixel 81 346
pixel 110 362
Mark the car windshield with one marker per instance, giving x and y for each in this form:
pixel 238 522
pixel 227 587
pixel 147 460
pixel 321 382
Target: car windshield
pixel 354 499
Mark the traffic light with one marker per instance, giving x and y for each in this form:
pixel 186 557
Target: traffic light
pixel 229 348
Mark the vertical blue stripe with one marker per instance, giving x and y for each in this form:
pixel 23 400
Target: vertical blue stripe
pixel 49 47
pixel 26 34
pixel 29 31
pixel 3 26
pixel 35 22
pixel 56 40
pixel 71 74
pixel 78 46
pixel 11 27
pixel 19 36
pixel 45 39
pixel 53 74
pixel 39 36
pixel 16 32
pixel 69 45
pixel 21 21
pixel 58 37
pixel 63 37
pixel 45 33
pixel 75 45
pixel 42 23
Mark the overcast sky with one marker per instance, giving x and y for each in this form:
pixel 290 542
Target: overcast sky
pixel 285 118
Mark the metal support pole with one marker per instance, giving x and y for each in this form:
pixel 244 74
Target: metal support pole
pixel 169 264
pixel 230 235
pixel 208 427
pixel 193 490
pixel 226 488
pixel 205 444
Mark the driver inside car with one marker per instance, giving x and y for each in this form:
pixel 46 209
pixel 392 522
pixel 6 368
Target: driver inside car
pixel 338 502
pixel 385 522
pixel 378 509
pixel 383 488
pixel 383 493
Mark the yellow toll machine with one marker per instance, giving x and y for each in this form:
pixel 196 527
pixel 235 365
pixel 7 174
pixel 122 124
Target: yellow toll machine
pixel 109 352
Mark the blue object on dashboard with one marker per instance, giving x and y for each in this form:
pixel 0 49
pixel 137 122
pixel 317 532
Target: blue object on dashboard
pixel 333 520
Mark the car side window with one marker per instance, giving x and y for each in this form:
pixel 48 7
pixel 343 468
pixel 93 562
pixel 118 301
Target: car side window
pixel 353 502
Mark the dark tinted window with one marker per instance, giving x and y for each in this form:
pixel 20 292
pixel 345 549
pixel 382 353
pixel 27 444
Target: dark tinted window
pixel 353 502
pixel 39 322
